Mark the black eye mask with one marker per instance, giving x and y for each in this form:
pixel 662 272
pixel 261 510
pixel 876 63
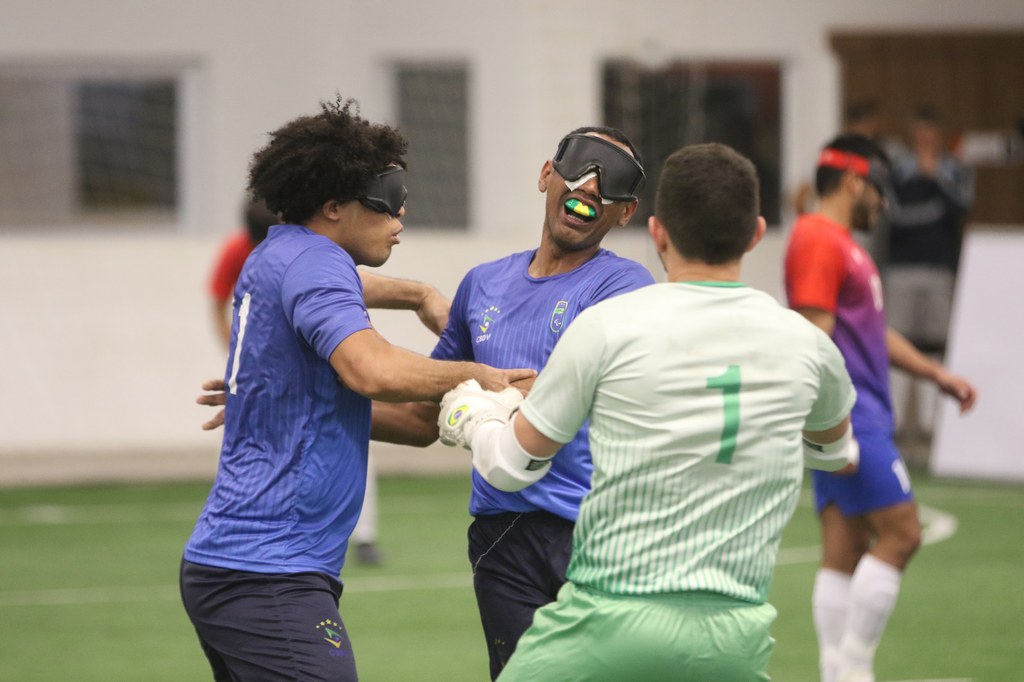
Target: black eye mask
pixel 619 175
pixel 385 192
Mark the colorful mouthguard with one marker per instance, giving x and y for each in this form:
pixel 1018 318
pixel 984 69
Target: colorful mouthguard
pixel 580 209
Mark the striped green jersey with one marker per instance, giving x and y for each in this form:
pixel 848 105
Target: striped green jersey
pixel 697 394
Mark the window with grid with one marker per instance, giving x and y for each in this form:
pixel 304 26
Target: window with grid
pixel 667 107
pixel 433 114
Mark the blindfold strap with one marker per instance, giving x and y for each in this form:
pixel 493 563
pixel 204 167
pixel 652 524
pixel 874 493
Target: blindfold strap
pixel 834 158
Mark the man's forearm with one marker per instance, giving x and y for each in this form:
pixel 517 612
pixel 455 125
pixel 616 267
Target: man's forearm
pixel 404 423
pixel 393 293
pixel 903 355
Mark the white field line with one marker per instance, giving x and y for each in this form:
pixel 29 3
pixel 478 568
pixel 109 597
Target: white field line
pixel 937 526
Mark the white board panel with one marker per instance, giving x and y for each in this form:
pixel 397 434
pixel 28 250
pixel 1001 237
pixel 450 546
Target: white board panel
pixel 986 345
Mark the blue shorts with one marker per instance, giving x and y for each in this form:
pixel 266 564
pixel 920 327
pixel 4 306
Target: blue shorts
pixel 881 480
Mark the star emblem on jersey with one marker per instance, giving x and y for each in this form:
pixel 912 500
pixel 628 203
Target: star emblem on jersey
pixel 486 318
pixel 558 316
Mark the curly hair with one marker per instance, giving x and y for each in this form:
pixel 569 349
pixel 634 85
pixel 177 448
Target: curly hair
pixel 314 159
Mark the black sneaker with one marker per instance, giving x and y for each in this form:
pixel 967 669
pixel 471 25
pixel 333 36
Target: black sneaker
pixel 367 554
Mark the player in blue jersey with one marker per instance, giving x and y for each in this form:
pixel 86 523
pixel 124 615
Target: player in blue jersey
pixel 259 576
pixel 510 313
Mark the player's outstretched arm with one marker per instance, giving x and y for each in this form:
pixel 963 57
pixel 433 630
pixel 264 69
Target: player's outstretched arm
pixel 370 365
pixel 402 294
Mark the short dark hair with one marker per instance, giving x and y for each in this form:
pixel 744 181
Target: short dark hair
pixel 827 180
pixel 708 199
pixel 314 159
pixel 613 133
pixel 860 110
pixel 926 113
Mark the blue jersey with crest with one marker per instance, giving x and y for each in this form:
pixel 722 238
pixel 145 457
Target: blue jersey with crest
pixel 292 468
pixel 503 317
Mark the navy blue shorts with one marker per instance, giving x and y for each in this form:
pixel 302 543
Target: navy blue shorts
pixel 519 562
pixel 881 480
pixel 255 626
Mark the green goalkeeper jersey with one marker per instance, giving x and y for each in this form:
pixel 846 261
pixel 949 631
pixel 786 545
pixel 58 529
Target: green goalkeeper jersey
pixel 697 394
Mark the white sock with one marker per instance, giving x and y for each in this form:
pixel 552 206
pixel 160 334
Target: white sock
pixel 829 604
pixel 366 527
pixel 873 592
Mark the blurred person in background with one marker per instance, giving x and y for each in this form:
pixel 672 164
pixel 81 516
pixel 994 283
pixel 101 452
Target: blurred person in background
pixel 230 258
pixel 260 573
pixel 862 117
pixel 933 193
pixel 869 521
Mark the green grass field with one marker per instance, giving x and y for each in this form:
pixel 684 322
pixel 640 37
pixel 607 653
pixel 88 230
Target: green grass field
pixel 88 588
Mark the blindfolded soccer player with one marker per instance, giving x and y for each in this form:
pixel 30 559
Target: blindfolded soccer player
pixel 870 526
pixel 259 577
pixel 511 313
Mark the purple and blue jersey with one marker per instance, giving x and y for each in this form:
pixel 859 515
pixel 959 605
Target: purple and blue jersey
pixel 503 317
pixel 292 469
pixel 828 270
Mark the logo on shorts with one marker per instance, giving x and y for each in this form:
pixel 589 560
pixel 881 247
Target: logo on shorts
pixel 486 318
pixel 333 631
pixel 558 316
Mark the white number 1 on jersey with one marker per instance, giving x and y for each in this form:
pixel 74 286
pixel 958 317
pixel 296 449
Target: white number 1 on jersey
pixel 243 316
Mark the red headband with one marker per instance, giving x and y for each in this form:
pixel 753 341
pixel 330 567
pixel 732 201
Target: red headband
pixel 834 158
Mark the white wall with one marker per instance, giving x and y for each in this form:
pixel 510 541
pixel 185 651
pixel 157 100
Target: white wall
pixel 104 336
pixel 985 342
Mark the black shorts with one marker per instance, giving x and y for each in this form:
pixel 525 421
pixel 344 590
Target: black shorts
pixel 256 626
pixel 519 563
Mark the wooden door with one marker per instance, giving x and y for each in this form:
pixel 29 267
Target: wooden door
pixel 976 81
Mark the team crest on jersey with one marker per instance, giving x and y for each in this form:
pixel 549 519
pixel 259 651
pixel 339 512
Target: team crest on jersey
pixel 487 318
pixel 558 316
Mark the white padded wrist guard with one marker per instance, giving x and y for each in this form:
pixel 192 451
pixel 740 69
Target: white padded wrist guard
pixel 467 406
pixel 832 456
pixel 502 461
